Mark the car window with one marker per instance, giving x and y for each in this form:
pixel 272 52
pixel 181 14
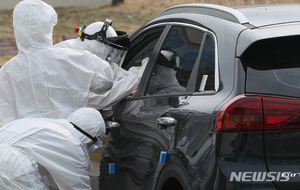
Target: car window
pixel 176 60
pixel 273 66
pixel 142 48
pixel 206 70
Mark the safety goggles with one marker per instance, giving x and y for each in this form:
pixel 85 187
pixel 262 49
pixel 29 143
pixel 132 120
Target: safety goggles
pixel 171 62
pixel 92 147
pixel 119 44
pixel 96 141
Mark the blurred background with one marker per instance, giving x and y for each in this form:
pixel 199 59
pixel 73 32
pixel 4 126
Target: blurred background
pixel 127 15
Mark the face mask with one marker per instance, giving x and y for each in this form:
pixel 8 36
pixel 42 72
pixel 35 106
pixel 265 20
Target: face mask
pixel 96 141
pixel 95 146
pixel 118 44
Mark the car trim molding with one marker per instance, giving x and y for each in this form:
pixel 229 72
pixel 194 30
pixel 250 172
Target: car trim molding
pixel 220 11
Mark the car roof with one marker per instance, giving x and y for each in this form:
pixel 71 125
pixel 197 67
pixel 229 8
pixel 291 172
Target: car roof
pixel 250 15
pixel 270 14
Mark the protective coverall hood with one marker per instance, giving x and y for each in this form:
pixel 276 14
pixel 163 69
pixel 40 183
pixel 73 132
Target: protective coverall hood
pixel 90 121
pixel 33 22
pixel 165 73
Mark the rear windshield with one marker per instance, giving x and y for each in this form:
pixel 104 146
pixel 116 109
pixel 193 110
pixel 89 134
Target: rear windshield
pixel 273 66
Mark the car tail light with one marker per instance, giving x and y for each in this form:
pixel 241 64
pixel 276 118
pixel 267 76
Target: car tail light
pixel 255 112
pixel 281 113
pixel 241 114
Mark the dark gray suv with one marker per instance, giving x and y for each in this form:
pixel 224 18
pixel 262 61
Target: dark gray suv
pixel 218 104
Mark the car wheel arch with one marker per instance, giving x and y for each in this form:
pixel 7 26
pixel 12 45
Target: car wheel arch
pixel 173 176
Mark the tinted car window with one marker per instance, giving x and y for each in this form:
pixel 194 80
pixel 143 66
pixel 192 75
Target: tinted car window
pixel 184 44
pixel 273 66
pixel 206 70
pixel 142 48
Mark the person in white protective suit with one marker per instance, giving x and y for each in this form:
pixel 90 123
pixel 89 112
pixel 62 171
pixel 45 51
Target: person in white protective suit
pixel 43 80
pixel 102 40
pixel 59 147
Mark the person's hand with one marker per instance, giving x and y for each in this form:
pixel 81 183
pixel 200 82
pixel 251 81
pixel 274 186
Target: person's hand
pixel 134 93
pixel 143 66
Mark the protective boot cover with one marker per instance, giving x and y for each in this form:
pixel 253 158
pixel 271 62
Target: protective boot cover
pixel 42 80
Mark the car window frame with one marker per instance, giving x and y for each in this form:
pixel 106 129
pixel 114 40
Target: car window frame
pixel 141 91
pixel 193 76
pixel 192 84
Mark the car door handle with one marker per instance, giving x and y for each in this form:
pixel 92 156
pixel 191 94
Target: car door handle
pixel 164 122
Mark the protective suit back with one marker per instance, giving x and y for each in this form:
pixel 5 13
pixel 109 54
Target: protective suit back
pixel 18 168
pixel 43 81
pixel 55 145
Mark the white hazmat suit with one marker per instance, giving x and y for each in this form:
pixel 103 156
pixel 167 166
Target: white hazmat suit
pixel 29 144
pixel 43 80
pixel 125 82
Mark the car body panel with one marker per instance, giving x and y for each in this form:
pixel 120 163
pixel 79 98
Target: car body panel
pixel 200 156
pixel 248 37
pixel 282 157
pixel 270 14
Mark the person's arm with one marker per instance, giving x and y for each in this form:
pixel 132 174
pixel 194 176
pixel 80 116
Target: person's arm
pixel 121 88
pixel 125 83
pixel 103 75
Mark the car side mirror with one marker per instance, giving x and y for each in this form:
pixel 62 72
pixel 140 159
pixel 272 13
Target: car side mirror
pixel 164 122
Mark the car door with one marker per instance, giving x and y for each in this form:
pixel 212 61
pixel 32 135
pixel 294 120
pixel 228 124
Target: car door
pixel 163 92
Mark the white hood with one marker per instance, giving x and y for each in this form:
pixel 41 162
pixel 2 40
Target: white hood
pixel 90 121
pixel 33 22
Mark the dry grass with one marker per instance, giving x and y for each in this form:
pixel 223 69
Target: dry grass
pixel 128 16
pixel 132 14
